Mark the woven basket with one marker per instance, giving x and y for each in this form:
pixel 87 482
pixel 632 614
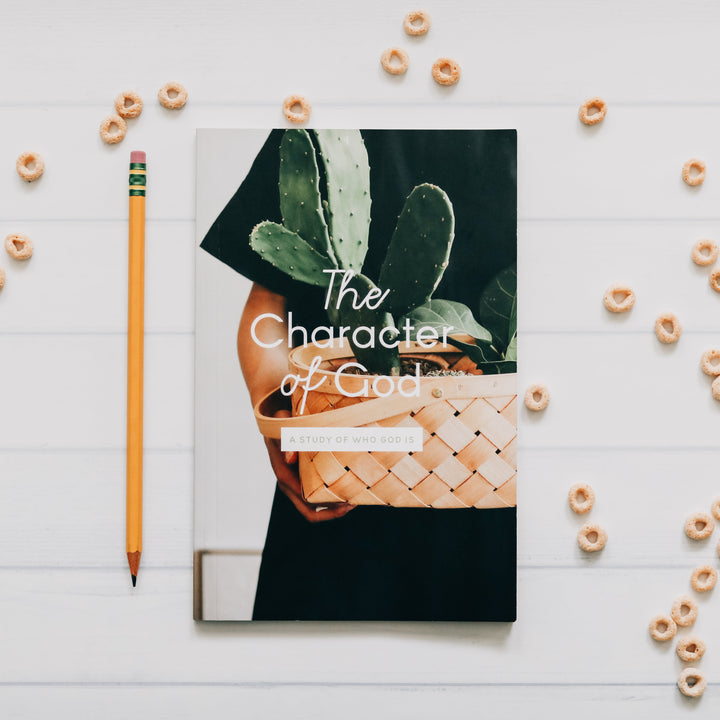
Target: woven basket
pixel 469 435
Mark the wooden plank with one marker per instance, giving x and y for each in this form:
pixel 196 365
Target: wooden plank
pixel 547 51
pixel 613 171
pixel 88 626
pixel 565 266
pixel 321 702
pixel 77 279
pixel 69 391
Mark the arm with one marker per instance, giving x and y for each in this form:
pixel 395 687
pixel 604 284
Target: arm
pixel 263 370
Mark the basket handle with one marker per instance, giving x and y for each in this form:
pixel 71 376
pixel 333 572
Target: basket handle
pixel 371 410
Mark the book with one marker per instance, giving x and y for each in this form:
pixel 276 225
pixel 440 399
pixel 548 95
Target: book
pixel 356 375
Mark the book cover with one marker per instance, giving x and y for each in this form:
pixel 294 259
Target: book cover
pixel 356 386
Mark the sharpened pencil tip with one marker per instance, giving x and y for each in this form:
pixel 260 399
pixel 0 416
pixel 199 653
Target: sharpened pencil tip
pixel 134 579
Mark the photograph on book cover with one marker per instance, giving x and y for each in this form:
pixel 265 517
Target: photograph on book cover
pixel 356 386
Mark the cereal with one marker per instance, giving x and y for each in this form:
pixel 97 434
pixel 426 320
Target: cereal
pixel 2 278
pixel 716 394
pixel 705 252
pixel 445 71
pixel 715 280
pixel 668 328
pixel 172 95
pixel 692 682
pixel 699 526
pixel 690 649
pixel 537 397
pixel 596 104
pixel 581 498
pixel 412 17
pixel 19 246
pixel 684 611
pixel 110 136
pixel 710 362
pixel 662 628
pixel 128 104
pixel 715 509
pixel 302 115
pixel 24 163
pixel 591 538
pixel 619 306
pixel 386 59
pixel 693 172
pixel 704 578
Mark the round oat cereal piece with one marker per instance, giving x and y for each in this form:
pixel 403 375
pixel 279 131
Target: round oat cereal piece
pixel 128 104
pixel 19 246
pixel 110 136
pixel 296 116
pixel 30 166
pixel 421 18
pixel 705 252
pixel 692 682
pixel 445 71
pixel 693 172
pixel 386 60
pixel 172 95
pixel 715 509
pixel 592 111
pixel 581 498
pixel 699 526
pixel 716 389
pixel 537 397
pixel 591 538
pixel 619 306
pixel 690 649
pixel 668 328
pixel 2 278
pixel 662 628
pixel 684 611
pixel 710 362
pixel 704 578
pixel 715 280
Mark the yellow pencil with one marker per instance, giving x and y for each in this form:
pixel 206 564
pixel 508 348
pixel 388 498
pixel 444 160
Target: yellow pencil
pixel 136 330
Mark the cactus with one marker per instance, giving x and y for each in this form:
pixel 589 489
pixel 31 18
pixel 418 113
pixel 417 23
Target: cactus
pixel 347 172
pixel 423 236
pixel 288 252
pixel 299 186
pixel 332 234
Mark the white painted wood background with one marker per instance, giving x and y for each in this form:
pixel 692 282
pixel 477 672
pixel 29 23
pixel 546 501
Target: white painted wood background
pixel 596 205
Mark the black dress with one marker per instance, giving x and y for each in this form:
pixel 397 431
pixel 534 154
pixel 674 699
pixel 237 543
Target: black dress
pixel 379 563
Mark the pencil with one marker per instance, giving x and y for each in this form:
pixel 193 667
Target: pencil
pixel 136 329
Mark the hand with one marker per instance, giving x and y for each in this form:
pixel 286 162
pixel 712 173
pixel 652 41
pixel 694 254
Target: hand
pixel 284 467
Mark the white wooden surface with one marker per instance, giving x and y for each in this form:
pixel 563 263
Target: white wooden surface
pixel 596 205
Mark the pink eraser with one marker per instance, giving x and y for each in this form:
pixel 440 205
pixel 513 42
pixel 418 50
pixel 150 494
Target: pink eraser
pixel 137 156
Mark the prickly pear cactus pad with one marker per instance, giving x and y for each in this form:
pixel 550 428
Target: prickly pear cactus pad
pixel 422 241
pixel 299 186
pixel 290 253
pixel 347 172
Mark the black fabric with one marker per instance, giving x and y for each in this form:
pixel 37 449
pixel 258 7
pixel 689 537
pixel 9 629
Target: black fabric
pixel 389 563
pixel 378 563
